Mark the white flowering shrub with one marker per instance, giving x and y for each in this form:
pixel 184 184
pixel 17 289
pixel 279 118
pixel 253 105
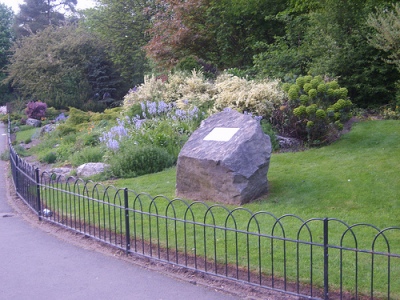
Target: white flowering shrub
pixel 183 90
pixel 257 97
pixel 151 90
pixel 3 110
pixel 194 90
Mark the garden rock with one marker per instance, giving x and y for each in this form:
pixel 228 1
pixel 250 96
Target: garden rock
pixel 225 160
pixel 62 171
pixel 47 128
pixel 33 122
pixel 288 143
pixel 90 169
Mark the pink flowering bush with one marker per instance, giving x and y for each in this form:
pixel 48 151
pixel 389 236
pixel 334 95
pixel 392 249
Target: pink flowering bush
pixel 36 110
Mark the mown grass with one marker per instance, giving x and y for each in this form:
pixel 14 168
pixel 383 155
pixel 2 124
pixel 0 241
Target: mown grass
pixel 355 179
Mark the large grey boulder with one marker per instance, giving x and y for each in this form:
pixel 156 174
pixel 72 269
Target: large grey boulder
pixel 225 160
pixel 90 169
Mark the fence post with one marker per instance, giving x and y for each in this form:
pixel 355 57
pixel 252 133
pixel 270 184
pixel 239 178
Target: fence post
pixel 16 173
pixel 326 260
pixel 39 206
pixel 127 231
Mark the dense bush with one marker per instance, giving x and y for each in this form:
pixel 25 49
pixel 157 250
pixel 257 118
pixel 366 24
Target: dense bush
pixel 77 117
pixel 257 97
pixel 187 91
pixel 157 123
pixel 133 160
pixel 86 155
pixel 315 111
pixel 36 110
pixel 48 158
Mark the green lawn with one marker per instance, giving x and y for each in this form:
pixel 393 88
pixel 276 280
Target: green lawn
pixel 356 179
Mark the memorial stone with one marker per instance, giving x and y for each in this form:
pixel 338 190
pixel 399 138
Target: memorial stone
pixel 225 160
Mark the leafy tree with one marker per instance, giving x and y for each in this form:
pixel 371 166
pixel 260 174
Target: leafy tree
pixel 122 26
pixel 222 32
pixel 386 37
pixel 6 17
pixel 62 66
pixel 35 15
pixel 329 38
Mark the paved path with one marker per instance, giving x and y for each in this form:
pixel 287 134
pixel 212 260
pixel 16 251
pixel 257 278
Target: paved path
pixel 37 265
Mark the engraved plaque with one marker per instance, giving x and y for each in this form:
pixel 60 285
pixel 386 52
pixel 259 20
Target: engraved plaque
pixel 221 134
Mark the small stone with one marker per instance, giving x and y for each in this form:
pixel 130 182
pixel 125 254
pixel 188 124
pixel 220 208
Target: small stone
pixel 90 169
pixel 33 122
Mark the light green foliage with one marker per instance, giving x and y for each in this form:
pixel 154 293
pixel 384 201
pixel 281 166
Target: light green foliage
pixel 319 109
pixel 133 160
pixel 86 155
pixel 107 115
pixel 76 117
pixel 62 66
pixel 386 24
pixel 48 158
pixel 329 37
pixel 123 28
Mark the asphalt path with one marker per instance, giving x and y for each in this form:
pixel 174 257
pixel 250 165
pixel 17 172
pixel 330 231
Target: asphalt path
pixel 35 264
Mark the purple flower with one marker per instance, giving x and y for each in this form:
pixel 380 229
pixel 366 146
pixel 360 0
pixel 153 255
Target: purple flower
pixel 61 117
pixel 133 90
pixel 152 108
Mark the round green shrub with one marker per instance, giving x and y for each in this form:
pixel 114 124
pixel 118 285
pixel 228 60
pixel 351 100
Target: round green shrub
pixel 311 109
pixel 133 160
pixel 300 81
pixel 310 124
pixel 319 78
pixel 330 92
pixel 320 113
pixel 315 82
pixel 333 85
pixel 299 111
pixel 312 93
pixel 286 86
pixel 343 92
pixel 304 99
pixel 294 92
pixel 322 88
pixel 308 78
pixel 307 87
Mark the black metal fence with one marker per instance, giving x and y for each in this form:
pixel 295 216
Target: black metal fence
pixel 315 258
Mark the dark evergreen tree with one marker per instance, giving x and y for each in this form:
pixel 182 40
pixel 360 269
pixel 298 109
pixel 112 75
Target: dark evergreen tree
pixel 35 15
pixel 6 18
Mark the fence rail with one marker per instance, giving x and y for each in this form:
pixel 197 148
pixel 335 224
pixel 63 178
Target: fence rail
pixel 315 258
